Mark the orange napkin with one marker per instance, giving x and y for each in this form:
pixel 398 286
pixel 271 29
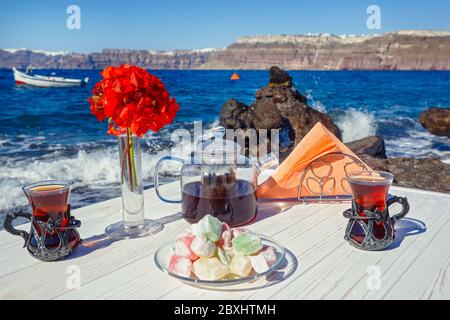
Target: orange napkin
pixel 318 163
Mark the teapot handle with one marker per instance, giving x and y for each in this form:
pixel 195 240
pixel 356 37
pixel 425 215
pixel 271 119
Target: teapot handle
pixel 9 227
pixel 156 177
pixel 405 207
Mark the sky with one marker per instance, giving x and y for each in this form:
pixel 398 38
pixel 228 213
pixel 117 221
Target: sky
pixel 195 24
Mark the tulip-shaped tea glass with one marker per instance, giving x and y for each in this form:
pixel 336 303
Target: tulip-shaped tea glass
pixel 370 227
pixel 53 234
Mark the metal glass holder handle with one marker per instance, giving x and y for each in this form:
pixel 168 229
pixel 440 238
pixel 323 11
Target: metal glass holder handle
pixel 9 226
pixel 403 201
pixel 156 178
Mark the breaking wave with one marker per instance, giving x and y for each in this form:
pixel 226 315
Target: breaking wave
pixel 356 124
pixel 95 169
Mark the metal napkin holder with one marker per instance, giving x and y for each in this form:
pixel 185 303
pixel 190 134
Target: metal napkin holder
pixel 327 182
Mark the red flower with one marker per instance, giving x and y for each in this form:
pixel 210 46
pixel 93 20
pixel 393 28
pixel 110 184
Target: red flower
pixel 132 98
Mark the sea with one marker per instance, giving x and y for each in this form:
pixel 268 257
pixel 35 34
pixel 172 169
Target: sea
pixel 49 133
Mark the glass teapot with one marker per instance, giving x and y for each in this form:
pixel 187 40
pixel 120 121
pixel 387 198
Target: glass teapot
pixel 218 180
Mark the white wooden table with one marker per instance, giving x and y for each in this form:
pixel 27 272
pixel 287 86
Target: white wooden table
pixel 319 264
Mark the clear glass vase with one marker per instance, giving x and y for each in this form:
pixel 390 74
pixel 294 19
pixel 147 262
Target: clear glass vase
pixel 134 223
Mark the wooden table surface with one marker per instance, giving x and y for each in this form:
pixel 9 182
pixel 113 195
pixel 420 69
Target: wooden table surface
pixel 319 263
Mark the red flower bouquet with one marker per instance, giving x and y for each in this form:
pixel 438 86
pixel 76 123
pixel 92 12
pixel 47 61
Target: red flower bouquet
pixel 132 100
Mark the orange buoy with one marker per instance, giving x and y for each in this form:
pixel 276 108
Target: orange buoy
pixel 235 76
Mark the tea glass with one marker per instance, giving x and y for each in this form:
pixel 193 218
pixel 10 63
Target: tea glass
pixel 370 227
pixel 53 233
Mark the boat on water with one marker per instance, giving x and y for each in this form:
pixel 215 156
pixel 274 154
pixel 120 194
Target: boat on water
pixel 28 78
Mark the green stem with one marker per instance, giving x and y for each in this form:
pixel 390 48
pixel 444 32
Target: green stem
pixel 132 160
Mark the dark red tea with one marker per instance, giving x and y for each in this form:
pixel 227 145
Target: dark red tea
pixel 370 193
pixel 50 203
pixel 231 201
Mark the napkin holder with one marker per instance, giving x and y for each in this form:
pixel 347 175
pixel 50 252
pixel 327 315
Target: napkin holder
pixel 319 186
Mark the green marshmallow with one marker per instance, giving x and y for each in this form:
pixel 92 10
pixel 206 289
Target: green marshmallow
pixel 246 243
pixel 211 227
pixel 223 256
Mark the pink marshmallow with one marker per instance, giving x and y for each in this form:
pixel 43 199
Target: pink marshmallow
pixel 259 263
pixel 269 254
pixel 181 266
pixel 183 247
pixel 225 237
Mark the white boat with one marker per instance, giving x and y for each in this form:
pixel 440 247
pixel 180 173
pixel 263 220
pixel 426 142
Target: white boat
pixel 28 78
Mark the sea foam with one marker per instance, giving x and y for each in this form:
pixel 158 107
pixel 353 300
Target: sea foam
pixel 356 124
pixel 92 169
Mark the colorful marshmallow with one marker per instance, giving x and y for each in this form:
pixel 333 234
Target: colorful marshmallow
pixel 225 237
pixel 210 226
pixel 209 269
pixel 246 243
pixel 203 247
pixel 224 256
pixel 259 263
pixel 183 247
pixel 212 250
pixel 181 266
pixel 240 266
pixel 269 254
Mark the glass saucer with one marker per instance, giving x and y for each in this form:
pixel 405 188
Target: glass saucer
pixel 164 253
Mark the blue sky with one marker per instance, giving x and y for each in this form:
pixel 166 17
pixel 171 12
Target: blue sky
pixel 176 24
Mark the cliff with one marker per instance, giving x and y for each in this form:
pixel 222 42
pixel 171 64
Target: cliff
pixel 402 50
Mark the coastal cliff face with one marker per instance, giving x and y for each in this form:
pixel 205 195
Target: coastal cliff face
pixel 403 50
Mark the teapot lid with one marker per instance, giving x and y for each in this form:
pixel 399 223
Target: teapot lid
pixel 219 148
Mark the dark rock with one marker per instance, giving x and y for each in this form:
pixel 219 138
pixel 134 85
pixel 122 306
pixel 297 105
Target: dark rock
pixel 267 115
pixel 427 174
pixel 279 97
pixel 279 77
pixel 235 115
pixel 436 121
pixel 293 106
pixel 264 92
pixel 278 106
pixel 372 146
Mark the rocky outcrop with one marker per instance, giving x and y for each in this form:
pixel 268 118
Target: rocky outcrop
pixel 436 121
pixel 427 174
pixel 370 146
pixel 280 93
pixel 403 50
pixel 235 115
pixel 277 106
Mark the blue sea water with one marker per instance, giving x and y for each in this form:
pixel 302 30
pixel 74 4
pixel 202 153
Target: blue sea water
pixel 50 133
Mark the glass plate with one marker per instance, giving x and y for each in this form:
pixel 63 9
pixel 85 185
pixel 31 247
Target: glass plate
pixel 163 255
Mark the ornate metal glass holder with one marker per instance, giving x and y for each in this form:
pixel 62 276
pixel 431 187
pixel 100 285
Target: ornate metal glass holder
pixel 366 225
pixel 64 240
